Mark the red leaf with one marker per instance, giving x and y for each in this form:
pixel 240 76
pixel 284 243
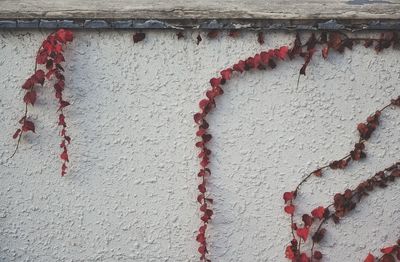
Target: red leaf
pixel 387 258
pixel 39 77
pixel 325 52
pixel 239 66
pixel 198 117
pixel 199 39
pixel 28 83
pixel 260 38
pixel 64 35
pixel 317 173
pixel 282 52
pixel 215 82
pixel 180 35
pixel 307 219
pixel 61 120
pixel 304 258
pixel 28 126
pixel 289 253
pixel 202 188
pixel 290 209
pixel 202 250
pixel 317 255
pixel 234 33
pixel 388 250
pixel 213 34
pixel 16 134
pixel 63 104
pixel 64 155
pixel 287 196
pixel 203 207
pixel 30 97
pixel 226 74
pixel 203 229
pixel 200 198
pixel 369 258
pixel 200 132
pixel 50 73
pixel 297 48
pixel 41 58
pixel 303 233
pixel 334 40
pixel 138 37
pixel 318 212
pixel 201 238
pixel 205 218
pixel 203 103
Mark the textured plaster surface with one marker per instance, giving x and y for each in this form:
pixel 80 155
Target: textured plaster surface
pixel 130 192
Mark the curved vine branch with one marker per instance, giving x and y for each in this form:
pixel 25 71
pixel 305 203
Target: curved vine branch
pixel 335 41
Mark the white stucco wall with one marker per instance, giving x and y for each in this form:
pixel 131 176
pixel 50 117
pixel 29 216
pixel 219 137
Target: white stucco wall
pixel 130 193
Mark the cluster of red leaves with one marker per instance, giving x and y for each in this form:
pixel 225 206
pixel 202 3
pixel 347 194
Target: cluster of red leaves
pixel 50 54
pixel 343 203
pixel 267 60
pixel 260 61
pixel 338 42
pixel 213 34
pixel 390 254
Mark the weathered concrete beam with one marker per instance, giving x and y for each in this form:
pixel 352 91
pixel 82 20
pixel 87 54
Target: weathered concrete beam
pixel 205 14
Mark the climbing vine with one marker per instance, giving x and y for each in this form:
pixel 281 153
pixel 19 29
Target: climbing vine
pixel 343 203
pixel 50 57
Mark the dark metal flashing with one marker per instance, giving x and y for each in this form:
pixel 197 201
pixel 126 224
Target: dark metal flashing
pixel 252 24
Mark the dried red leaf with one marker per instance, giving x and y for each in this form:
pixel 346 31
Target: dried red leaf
pixel 180 35
pixel 199 39
pixel 325 52
pixel 319 235
pixel 317 173
pixel 28 126
pixel 260 38
pixel 307 219
pixel 387 258
pixel 17 133
pixel 335 40
pixel 317 255
pixel 234 33
pixel 138 37
pixel 63 104
pixel 212 34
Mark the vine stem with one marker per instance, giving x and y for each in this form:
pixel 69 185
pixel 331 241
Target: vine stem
pixel 26 104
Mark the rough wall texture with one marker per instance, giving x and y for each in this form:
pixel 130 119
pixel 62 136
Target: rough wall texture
pixel 130 193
